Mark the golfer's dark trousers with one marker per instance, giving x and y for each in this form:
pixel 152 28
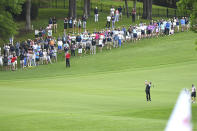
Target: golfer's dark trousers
pixel 67 62
pixel 148 95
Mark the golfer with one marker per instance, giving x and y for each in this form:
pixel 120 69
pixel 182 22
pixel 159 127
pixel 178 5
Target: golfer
pixel 193 95
pixel 147 90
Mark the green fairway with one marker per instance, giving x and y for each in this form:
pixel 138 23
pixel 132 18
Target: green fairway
pixel 104 92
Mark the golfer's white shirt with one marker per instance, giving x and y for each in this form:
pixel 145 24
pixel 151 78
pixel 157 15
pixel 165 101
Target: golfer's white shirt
pixel 193 89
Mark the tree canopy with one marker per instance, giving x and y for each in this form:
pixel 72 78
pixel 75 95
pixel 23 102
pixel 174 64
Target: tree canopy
pixel 7 25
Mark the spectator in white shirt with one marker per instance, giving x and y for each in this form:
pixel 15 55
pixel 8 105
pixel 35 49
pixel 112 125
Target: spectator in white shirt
pixel 108 21
pixel 112 10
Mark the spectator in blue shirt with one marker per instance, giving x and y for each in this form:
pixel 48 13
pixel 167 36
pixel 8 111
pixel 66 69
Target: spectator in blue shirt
pixel 168 28
pixel 182 24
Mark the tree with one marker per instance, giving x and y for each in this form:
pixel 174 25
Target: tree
pixel 150 10
pixel 72 8
pixel 127 8
pixel 191 7
pixel 88 7
pixel 85 9
pixel 144 9
pixel 134 4
pixel 147 9
pixel 28 15
pixel 8 8
pixel 70 13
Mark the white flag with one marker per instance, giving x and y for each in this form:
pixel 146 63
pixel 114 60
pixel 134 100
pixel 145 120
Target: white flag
pixel 180 119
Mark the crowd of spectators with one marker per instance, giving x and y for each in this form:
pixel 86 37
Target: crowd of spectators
pixel 45 48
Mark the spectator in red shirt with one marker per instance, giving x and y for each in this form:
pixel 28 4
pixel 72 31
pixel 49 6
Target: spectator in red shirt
pixel 67 56
pixel 14 63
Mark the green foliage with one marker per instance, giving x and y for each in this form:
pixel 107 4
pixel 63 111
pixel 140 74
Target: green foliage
pixel 191 6
pixel 12 6
pixel 7 25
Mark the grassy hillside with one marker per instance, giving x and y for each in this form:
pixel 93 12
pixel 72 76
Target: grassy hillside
pixel 102 92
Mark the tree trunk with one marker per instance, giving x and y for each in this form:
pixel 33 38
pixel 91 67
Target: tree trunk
pixel 147 9
pixel 85 8
pixel 74 9
pixel 150 9
pixel 70 13
pixel 28 15
pixel 134 4
pixel 144 9
pixel 127 9
pixel 88 8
